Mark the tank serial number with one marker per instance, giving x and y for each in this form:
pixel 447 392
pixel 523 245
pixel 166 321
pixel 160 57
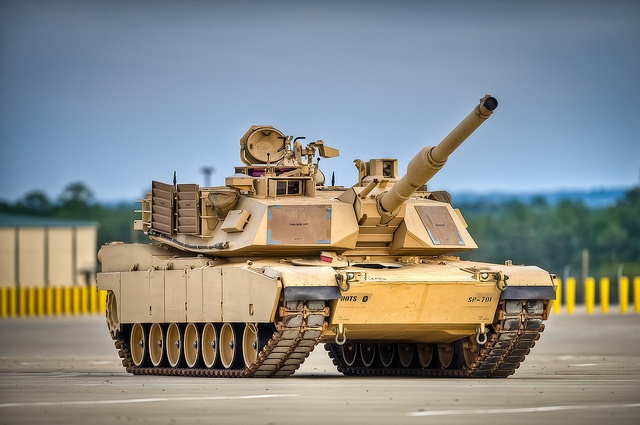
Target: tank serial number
pixel 481 299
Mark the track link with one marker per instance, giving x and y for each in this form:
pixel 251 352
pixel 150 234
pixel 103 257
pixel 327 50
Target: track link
pixel 517 328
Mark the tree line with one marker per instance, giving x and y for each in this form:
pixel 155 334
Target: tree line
pixel 552 236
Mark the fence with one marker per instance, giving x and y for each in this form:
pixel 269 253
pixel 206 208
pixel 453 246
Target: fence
pixel 51 301
pixel 567 292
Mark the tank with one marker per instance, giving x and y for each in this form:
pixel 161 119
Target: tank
pixel 245 279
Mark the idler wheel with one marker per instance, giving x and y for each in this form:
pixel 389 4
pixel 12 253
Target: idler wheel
pixel 174 345
pixel 156 344
pixel 471 349
pixel 112 315
pixel 191 345
pixel 425 354
pixel 209 345
pixel 138 344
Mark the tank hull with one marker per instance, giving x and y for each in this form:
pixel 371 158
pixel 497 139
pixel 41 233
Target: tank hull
pixel 195 315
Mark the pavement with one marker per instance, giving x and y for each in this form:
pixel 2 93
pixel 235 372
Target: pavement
pixel 584 370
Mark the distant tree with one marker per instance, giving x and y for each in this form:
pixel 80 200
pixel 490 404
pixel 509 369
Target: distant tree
pixel 567 234
pixel 539 201
pixel 611 240
pixel 76 201
pixel 616 232
pixel 35 202
pixel 76 192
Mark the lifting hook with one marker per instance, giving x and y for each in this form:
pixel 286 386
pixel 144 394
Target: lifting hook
pixel 501 281
pixel 343 281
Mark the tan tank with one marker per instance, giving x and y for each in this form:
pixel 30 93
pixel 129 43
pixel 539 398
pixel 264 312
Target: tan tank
pixel 246 279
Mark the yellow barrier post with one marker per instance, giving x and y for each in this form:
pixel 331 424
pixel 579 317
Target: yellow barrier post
pixel 84 299
pixel 4 302
pixel 50 303
pixel 31 301
pixel 66 310
pixel 605 286
pixel 40 301
pixel 590 294
pixel 557 304
pixel 636 294
pixel 93 300
pixel 102 300
pixel 571 295
pixel 13 302
pixel 59 305
pixel 623 293
pixel 22 302
pixel 76 300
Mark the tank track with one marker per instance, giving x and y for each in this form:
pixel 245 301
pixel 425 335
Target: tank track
pixel 517 328
pixel 296 335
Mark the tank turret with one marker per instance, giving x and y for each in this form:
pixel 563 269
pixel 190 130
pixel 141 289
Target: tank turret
pixel 277 202
pixel 245 279
pixel 432 158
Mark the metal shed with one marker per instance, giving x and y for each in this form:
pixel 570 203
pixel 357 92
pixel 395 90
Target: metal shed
pixel 46 252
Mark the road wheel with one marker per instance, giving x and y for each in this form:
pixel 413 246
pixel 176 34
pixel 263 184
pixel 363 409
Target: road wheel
pixel 191 345
pixel 406 354
pixel 138 344
pixel 209 345
pixel 174 344
pixel 387 354
pixel 368 354
pixel 156 344
pixel 350 354
pixel 425 354
pixel 230 347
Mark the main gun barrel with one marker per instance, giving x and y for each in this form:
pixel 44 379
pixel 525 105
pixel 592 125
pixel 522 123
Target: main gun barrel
pixel 432 158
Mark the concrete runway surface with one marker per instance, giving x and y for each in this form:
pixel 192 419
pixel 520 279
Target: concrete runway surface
pixel 584 370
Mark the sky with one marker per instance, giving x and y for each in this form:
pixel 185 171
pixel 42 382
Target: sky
pixel 116 94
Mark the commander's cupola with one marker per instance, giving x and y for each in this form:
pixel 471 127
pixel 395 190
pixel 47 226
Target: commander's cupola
pixel 278 165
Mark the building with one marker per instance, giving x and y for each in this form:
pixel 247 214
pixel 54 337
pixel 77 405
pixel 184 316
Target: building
pixel 46 252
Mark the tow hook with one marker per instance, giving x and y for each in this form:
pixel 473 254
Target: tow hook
pixel 481 335
pixel 340 331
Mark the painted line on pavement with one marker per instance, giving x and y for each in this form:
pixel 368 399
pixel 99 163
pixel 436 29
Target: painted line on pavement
pixel 140 400
pixel 523 410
